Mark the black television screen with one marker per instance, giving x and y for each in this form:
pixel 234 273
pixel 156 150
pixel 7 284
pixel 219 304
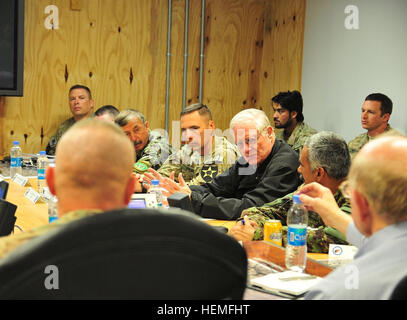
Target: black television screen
pixel 11 47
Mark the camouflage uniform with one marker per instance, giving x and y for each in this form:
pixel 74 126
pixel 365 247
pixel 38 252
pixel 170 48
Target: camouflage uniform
pixel 52 144
pixel 9 243
pixel 300 134
pixel 356 144
pixel 318 237
pixel 154 153
pixel 197 169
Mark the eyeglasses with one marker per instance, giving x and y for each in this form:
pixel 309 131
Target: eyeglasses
pixel 346 189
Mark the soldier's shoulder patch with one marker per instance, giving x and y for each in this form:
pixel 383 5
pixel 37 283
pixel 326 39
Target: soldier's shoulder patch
pixel 208 172
pixel 140 167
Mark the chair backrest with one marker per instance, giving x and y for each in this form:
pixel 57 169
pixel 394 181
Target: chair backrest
pixel 127 254
pixel 400 292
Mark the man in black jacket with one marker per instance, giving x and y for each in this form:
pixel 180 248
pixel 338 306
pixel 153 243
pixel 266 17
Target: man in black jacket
pixel 266 171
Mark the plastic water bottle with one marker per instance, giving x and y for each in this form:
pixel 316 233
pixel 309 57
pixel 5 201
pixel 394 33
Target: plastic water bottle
pixel 15 159
pixel 155 188
pixel 296 251
pixel 42 163
pixel 52 209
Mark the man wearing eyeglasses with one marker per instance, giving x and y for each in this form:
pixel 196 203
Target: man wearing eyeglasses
pixel 325 159
pixel 288 116
pixel 378 225
pixel 266 171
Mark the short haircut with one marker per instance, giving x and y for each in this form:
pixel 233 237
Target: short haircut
pixel 202 109
pixel 382 183
pixel 329 151
pixel 112 110
pixel 256 116
pixel 386 105
pixel 292 101
pixel 125 116
pixel 80 86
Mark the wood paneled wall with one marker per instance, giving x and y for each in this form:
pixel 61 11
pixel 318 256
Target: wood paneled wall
pixel 253 49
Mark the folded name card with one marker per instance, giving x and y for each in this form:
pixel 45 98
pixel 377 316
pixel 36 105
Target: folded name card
pixel 337 251
pixel 20 180
pixel 33 195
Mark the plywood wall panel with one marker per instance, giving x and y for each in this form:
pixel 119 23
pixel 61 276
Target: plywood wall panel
pixel 253 49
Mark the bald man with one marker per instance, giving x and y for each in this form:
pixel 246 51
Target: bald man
pixel 377 190
pixel 85 187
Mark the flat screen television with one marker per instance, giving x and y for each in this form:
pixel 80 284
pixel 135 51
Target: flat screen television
pixel 11 47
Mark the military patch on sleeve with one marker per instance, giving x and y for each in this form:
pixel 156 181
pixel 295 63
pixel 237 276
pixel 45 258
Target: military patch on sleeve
pixel 208 172
pixel 140 167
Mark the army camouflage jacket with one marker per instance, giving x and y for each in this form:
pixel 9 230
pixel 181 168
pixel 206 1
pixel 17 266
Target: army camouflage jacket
pixel 356 144
pixel 197 169
pixel 296 140
pixel 11 242
pixel 52 144
pixel 154 154
pixel 319 236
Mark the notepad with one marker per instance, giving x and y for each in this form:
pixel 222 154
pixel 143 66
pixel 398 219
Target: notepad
pixel 290 282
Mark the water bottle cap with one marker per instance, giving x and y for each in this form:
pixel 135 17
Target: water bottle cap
pixel 155 182
pixel 42 153
pixel 16 143
pixel 296 199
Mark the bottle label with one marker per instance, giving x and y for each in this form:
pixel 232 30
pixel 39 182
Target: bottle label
pixel 297 236
pixel 15 162
pixel 41 174
pixel 52 219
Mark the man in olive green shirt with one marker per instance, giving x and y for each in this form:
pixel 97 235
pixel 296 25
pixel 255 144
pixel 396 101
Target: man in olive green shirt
pixel 204 155
pixel 81 105
pixel 376 111
pixel 85 187
pixel 325 159
pixel 288 116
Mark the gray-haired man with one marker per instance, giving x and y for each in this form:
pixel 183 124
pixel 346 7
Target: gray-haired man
pixel 324 159
pixel 266 171
pixel 152 148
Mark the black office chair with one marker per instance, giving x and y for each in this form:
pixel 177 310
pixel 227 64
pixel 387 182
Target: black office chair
pixel 400 292
pixel 127 254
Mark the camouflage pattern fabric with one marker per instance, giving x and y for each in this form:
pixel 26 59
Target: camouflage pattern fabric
pixel 356 144
pixel 298 137
pixel 319 236
pixel 11 242
pixel 197 169
pixel 52 144
pixel 154 154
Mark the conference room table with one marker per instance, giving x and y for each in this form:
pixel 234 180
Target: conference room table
pixel 31 215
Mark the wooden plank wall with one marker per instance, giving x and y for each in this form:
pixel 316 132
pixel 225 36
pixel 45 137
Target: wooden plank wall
pixel 253 49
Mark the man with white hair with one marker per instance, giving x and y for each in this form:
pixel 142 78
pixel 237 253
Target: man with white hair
pixel 266 171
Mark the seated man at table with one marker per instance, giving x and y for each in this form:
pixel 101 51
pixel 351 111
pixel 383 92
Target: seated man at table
pixel 324 159
pixel 81 106
pixel 376 111
pixel 266 171
pixel 152 148
pixel 204 155
pixel 107 112
pixel 85 187
pixel 377 190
